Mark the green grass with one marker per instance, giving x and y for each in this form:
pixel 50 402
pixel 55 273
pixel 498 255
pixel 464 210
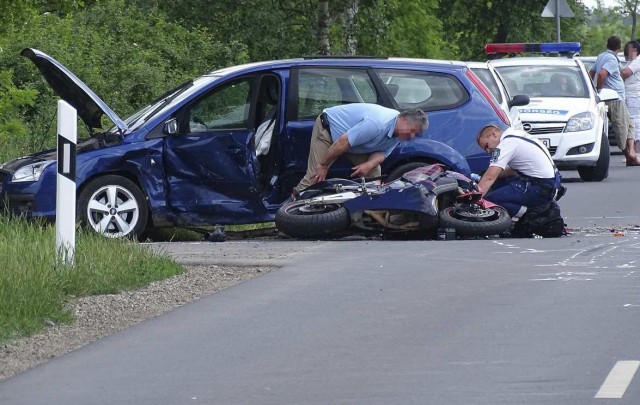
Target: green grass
pixel 35 285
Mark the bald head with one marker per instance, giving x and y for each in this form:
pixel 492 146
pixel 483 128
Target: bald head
pixel 489 137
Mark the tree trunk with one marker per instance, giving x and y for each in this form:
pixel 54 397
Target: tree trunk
pixel 630 7
pixel 351 44
pixel 501 34
pixel 322 34
pixel 634 17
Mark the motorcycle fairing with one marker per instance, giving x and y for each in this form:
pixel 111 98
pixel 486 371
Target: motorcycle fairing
pixel 438 180
pixel 330 185
pixel 413 199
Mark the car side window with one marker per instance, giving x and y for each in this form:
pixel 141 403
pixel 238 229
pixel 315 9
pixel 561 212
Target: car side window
pixel 424 90
pixel 319 88
pixel 227 107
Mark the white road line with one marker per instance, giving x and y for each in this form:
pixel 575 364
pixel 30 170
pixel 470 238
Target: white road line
pixel 618 380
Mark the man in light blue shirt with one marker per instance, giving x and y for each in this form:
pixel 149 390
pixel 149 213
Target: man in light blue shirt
pixel 364 133
pixel 606 73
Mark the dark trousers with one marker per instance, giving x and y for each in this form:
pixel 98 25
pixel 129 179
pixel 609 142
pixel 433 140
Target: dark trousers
pixel 514 193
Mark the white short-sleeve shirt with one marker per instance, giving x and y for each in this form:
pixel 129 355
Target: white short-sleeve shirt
pixel 524 154
pixel 632 83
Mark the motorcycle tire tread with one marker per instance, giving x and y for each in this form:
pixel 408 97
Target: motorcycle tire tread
pixel 466 228
pixel 322 225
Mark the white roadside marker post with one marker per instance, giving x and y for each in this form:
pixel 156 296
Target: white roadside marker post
pixel 66 183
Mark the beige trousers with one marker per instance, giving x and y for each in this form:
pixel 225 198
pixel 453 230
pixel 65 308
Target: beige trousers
pixel 621 122
pixel 320 143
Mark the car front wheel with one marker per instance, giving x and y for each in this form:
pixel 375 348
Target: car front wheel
pixel 113 206
pixel 600 171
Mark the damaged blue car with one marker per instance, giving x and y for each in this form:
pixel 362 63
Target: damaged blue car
pixel 228 147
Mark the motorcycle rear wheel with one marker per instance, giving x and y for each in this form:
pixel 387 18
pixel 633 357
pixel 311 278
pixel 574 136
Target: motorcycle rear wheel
pixel 469 220
pixel 301 220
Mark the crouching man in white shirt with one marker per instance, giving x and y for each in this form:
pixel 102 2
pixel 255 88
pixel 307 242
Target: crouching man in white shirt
pixel 526 175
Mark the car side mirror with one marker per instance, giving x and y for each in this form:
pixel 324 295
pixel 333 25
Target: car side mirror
pixel 170 127
pixel 518 100
pixel 608 95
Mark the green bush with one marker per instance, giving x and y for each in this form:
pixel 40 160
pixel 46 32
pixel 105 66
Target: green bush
pixel 125 55
pixel 13 104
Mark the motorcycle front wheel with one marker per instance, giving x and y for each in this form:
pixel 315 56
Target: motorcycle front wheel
pixel 473 220
pixel 302 220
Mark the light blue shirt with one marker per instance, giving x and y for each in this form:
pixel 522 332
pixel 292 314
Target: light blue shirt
pixel 369 127
pixel 608 61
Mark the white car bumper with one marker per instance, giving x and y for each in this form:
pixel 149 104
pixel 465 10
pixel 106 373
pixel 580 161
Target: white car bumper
pixel 571 149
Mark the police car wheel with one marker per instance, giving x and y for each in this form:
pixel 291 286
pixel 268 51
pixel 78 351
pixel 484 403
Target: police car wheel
pixel 600 171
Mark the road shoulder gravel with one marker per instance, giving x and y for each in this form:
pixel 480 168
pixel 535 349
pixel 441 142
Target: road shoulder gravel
pixel 99 316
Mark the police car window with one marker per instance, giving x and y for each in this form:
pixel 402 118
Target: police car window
pixel 319 88
pixel 225 108
pixel 544 81
pixel 424 90
pixel 489 81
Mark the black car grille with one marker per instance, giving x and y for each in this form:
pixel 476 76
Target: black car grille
pixel 536 129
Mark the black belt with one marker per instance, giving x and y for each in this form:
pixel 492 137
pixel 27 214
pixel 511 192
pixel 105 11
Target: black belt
pixel 324 120
pixel 545 188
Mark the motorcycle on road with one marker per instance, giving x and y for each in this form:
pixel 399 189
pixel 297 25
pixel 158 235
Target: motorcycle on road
pixel 419 204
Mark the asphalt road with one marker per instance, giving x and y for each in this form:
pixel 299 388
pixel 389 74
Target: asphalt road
pixel 615 201
pixel 501 321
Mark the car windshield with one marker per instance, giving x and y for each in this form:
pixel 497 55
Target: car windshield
pixel 544 81
pixel 141 116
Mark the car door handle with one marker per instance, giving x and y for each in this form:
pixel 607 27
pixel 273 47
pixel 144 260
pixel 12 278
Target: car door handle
pixel 236 150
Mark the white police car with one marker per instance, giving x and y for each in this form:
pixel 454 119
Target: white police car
pixel 564 111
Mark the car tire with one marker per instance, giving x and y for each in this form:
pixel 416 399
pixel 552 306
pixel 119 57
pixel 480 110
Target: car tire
pixel 396 173
pixel 113 206
pixel 600 171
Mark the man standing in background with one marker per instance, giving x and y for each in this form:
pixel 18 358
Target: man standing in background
pixel 606 73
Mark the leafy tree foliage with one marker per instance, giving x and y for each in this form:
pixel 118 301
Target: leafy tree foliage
pixel 471 24
pixel 289 28
pixel 271 29
pixel 630 8
pixel 125 54
pixel 13 104
pixel 605 23
pixel 408 28
pixel 128 51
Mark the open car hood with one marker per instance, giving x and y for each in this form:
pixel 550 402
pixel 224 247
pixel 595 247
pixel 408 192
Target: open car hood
pixel 72 90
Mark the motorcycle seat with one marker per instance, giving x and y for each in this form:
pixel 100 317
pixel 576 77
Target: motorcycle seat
pixel 445 184
pixel 445 181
